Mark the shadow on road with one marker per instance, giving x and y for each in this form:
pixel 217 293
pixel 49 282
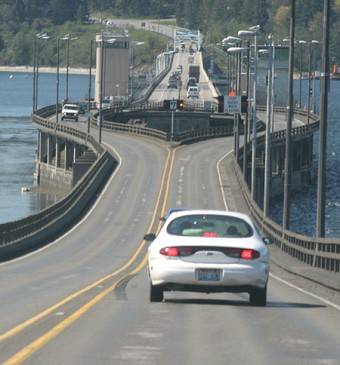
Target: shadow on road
pixel 242 303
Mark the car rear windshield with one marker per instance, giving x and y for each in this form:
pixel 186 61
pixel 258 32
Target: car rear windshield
pixel 210 226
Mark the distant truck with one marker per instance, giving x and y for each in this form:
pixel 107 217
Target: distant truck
pixel 194 71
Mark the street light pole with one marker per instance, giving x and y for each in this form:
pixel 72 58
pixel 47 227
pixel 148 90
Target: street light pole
pixel 37 75
pixel 36 51
pixel 287 170
pixel 34 71
pixel 310 58
pixel 267 161
pixel 301 43
pixel 90 85
pixel 101 88
pixel 254 142
pixel 246 124
pixel 57 84
pixel 67 65
pixel 324 80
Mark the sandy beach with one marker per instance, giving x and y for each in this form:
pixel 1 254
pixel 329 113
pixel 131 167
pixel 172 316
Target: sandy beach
pixel 72 70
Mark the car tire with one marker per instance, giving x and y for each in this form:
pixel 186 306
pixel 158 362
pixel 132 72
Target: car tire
pixel 258 297
pixel 156 293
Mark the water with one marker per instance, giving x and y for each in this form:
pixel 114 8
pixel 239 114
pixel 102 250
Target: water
pixel 303 203
pixel 18 139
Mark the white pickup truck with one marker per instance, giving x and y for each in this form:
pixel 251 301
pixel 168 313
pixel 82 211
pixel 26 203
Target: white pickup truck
pixel 70 111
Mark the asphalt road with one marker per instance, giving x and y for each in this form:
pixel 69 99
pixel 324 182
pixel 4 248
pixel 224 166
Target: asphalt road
pixel 120 326
pixel 162 92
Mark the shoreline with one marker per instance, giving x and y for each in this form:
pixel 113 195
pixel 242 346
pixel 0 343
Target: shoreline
pixel 62 70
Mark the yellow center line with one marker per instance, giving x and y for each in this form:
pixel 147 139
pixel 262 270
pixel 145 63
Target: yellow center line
pixel 34 346
pixel 49 310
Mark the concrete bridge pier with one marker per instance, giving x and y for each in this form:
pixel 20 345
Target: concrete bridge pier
pixel 61 162
pixel 68 155
pixel 58 146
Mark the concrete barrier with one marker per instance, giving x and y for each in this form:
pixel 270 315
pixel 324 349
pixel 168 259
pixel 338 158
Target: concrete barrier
pixel 30 233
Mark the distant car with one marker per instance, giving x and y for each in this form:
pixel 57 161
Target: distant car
pixel 208 251
pixel 193 92
pixel 172 84
pixel 179 69
pixel 70 111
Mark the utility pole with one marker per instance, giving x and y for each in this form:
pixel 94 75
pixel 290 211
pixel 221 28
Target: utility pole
pixel 290 112
pixel 324 80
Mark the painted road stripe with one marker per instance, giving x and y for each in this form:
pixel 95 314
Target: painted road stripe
pixel 73 296
pixel 28 350
pixel 34 346
pixel 323 300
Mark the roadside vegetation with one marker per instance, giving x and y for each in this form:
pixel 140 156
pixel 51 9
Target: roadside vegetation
pixel 20 20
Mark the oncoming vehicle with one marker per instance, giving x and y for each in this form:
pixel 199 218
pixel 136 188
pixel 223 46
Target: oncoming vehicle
pixel 70 111
pixel 208 251
pixel 192 92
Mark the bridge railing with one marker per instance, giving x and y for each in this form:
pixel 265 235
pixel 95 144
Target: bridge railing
pixel 27 234
pixel 322 253
pixel 155 82
pixel 303 130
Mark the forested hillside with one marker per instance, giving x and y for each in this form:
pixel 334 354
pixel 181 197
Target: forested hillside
pixel 20 19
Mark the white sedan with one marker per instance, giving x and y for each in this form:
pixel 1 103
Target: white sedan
pixel 208 251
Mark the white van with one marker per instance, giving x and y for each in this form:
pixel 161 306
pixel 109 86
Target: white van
pixel 192 92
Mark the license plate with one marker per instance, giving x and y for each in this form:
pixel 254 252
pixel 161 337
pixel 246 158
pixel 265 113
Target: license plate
pixel 208 274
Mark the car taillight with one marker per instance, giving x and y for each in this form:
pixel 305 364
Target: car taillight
pixel 248 254
pixel 169 251
pixel 176 251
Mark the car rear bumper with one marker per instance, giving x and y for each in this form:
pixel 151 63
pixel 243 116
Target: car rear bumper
pixel 233 277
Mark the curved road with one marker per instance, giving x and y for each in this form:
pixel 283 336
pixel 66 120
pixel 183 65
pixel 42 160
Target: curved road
pixel 122 327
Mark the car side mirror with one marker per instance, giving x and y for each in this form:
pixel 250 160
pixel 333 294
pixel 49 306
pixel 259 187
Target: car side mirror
pixel 267 240
pixel 150 237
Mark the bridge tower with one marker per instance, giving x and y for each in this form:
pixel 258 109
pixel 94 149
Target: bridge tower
pixel 115 60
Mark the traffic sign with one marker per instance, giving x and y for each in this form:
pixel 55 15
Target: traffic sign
pixel 173 104
pixel 232 104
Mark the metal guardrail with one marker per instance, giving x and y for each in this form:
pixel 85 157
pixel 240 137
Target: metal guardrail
pixel 279 136
pixel 27 234
pixel 155 82
pixel 322 253
pixel 194 106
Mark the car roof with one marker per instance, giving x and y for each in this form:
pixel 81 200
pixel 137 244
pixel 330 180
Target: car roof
pixel 186 212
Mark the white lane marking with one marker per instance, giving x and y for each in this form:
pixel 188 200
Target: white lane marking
pixel 331 304
pixel 220 178
pixel 79 223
